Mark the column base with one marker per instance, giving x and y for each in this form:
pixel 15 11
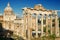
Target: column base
pixel 57 35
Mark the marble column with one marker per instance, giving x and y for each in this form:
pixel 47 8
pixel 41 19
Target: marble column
pixel 51 24
pixel 28 27
pixel 24 27
pixel 46 25
pixel 36 26
pixel 56 26
pixel 41 25
pixel 31 25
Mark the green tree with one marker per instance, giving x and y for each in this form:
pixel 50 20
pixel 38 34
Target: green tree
pixel 52 37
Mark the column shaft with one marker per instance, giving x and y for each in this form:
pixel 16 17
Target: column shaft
pixel 46 25
pixel 31 26
pixel 24 27
pixel 28 27
pixel 56 26
pixel 24 30
pixel 41 25
pixel 36 25
pixel 51 25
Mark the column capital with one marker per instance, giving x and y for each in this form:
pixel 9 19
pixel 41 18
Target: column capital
pixel 46 15
pixel 35 14
pixel 42 14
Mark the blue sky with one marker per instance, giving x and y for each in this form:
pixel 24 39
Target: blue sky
pixel 17 5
